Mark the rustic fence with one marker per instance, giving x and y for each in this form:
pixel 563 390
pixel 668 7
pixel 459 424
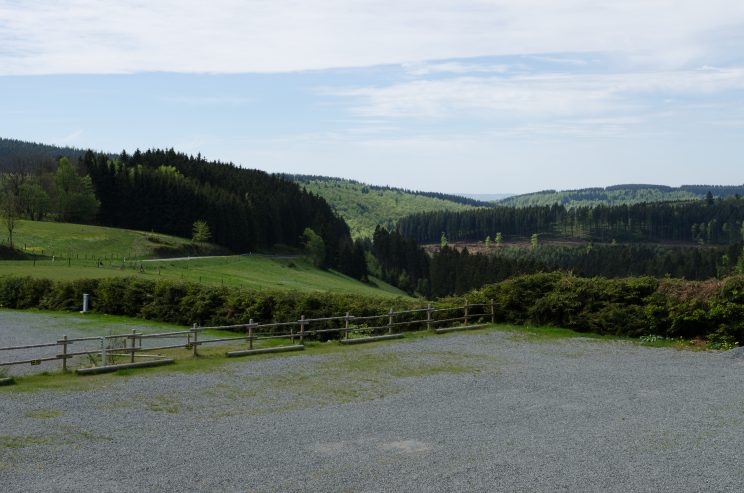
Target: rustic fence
pixel 349 329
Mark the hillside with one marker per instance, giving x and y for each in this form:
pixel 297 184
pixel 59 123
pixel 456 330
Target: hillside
pixel 168 192
pixel 251 272
pixel 15 154
pixel 365 206
pixel 84 241
pixel 75 251
pixel 620 195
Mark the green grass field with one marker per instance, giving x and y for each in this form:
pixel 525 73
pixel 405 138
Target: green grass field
pixel 77 250
pixel 81 241
pixel 256 271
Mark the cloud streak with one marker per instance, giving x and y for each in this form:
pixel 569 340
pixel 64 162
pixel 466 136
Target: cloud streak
pixel 235 36
pixel 541 95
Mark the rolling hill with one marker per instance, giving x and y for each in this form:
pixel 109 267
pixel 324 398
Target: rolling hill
pixel 74 251
pixel 365 206
pixel 619 195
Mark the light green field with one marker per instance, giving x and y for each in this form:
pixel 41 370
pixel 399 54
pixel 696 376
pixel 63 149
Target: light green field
pixel 256 271
pixel 363 208
pixel 81 241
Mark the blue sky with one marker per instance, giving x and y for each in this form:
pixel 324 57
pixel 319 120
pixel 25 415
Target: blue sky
pixel 471 96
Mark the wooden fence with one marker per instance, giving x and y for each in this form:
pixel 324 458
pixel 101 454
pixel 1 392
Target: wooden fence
pixel 348 328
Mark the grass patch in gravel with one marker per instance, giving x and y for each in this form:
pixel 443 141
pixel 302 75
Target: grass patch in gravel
pixel 65 435
pixel 43 413
pixel 342 377
pixel 355 363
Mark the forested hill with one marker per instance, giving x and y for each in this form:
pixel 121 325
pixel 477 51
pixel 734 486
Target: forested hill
pixel 245 209
pixel 18 154
pixel 708 221
pixel 167 192
pixel 365 206
pixel 620 195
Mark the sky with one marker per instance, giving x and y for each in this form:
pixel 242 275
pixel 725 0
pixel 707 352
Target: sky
pixel 466 96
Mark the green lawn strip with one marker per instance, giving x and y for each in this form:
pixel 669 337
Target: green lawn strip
pixel 255 271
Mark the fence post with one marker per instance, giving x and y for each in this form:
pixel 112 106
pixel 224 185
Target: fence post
pixel 493 313
pixel 428 316
pixel 195 340
pixel 302 329
pixel 103 351
pixel 250 333
pixel 134 344
pixel 466 312
pixel 346 330
pixel 64 353
pixel 390 321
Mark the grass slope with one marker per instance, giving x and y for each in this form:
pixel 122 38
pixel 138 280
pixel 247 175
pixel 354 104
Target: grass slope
pixel 255 272
pixel 86 241
pixel 363 206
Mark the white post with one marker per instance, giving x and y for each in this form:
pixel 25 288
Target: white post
pixel 103 351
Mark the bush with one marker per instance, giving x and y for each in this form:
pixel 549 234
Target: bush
pixel 632 306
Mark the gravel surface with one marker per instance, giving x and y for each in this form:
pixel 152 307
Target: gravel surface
pixel 26 328
pixel 481 411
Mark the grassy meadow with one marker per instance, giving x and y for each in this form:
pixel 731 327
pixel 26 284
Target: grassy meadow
pixel 255 271
pixel 75 251
pixel 82 241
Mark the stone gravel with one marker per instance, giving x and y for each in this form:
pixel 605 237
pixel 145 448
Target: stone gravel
pixel 481 411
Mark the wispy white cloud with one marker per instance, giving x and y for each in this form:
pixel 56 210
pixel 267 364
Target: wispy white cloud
pixel 429 68
pixel 228 36
pixel 543 95
pixel 71 138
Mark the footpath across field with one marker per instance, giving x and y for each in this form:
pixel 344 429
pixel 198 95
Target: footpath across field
pixel 490 410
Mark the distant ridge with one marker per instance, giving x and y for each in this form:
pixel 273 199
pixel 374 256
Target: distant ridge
pixel 364 206
pixel 464 199
pixel 633 193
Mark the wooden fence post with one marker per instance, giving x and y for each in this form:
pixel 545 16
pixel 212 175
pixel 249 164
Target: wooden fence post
pixel 134 344
pixel 302 329
pixel 428 316
pixel 64 353
pixel 390 321
pixel 346 331
pixel 466 312
pixel 493 313
pixel 250 333
pixel 195 340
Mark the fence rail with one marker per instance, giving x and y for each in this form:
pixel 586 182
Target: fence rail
pixel 129 345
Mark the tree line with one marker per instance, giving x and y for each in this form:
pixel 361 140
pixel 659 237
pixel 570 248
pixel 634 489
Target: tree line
pixel 170 192
pixel 706 221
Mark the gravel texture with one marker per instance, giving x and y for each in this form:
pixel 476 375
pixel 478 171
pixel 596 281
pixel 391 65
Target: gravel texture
pixel 481 411
pixel 26 328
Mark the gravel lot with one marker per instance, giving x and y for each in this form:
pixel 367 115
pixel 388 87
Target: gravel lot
pixel 26 328
pixel 480 411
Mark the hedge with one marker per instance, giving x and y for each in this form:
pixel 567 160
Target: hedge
pixel 633 306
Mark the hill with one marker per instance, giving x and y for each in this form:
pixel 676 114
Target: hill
pixel 365 206
pixel 167 192
pixel 620 195
pixel 251 272
pixel 16 154
pixel 84 241
pixel 75 251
